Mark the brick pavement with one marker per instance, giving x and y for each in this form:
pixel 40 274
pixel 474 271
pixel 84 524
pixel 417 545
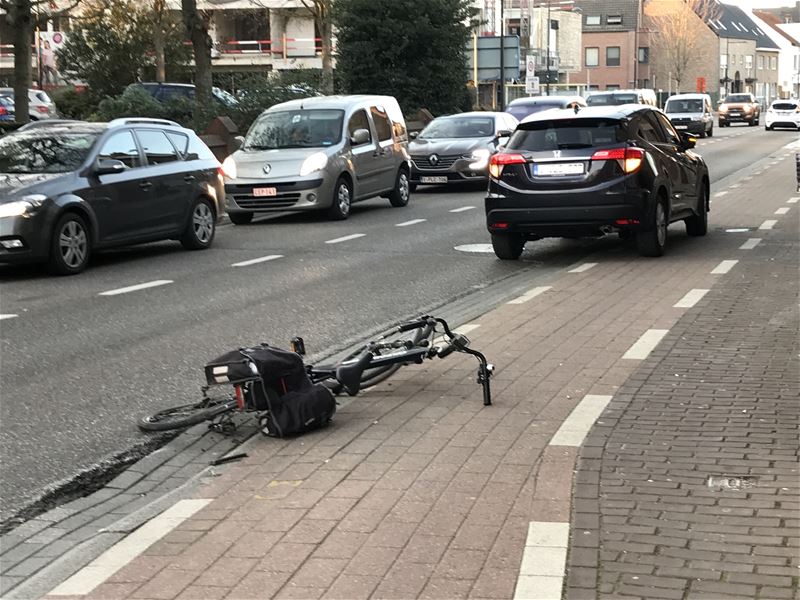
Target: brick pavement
pixel 418 491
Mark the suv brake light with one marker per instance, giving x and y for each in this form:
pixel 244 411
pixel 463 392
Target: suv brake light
pixel 498 161
pixel 629 159
pixel 43 109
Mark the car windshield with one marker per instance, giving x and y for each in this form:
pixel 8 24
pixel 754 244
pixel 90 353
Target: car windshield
pixel 564 135
pixel 458 127
pixel 295 129
pixel 693 105
pixel 611 99
pixel 737 98
pixel 41 151
pixel 226 98
pixel 784 106
pixel 520 111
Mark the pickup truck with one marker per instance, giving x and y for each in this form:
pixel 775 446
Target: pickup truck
pixel 739 108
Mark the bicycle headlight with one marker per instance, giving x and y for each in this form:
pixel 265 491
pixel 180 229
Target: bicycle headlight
pixel 28 204
pixel 480 159
pixel 315 162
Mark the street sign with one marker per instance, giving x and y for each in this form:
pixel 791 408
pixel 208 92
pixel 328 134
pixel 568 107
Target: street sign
pixel 530 66
pixel 531 85
pixel 487 51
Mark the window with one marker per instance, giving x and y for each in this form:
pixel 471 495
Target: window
pixel 614 19
pixel 723 61
pixel 644 55
pixel 748 61
pixel 383 127
pixel 197 150
pixel 156 146
pixel 648 131
pixel 592 58
pixel 773 63
pixel 593 19
pixel 760 62
pixel 359 121
pixel 669 131
pixel 612 86
pixel 566 134
pixel 180 141
pixel 612 56
pixel 121 146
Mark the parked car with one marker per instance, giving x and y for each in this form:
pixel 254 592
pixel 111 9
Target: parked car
pixel 321 153
pixel 522 107
pixel 741 108
pixel 6 110
pixel 40 105
pixel 605 169
pixel 783 113
pixel 457 148
pixel 71 189
pixel 164 92
pixel 619 97
pixel 692 113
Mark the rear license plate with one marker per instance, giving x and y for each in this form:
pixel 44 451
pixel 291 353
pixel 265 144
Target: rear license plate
pixel 433 179
pixel 557 169
pixel 680 126
pixel 261 192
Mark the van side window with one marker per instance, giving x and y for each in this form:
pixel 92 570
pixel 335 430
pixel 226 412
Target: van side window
pixel 359 120
pixel 383 126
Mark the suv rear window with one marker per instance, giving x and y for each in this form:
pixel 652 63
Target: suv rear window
pixel 520 111
pixel 611 99
pixel 784 106
pixel 569 133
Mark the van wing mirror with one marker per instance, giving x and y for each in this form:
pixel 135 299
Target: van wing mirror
pixel 360 136
pixel 108 166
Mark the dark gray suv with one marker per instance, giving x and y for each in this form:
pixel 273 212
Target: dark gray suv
pixel 72 188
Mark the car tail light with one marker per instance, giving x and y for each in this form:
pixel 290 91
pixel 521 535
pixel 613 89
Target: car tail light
pixel 498 226
pixel 629 159
pixel 43 109
pixel 3 110
pixel 500 160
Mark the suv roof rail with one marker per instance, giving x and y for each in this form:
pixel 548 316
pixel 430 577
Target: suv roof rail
pixel 142 121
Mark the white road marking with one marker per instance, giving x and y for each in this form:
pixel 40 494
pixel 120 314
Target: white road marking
pixel 530 294
pixel 719 194
pixel 8 316
pixel 582 268
pixel 346 238
pixel 750 244
pixel 732 187
pixel 411 222
pixel 782 210
pixel 575 427
pixel 691 298
pixel 768 224
pixel 645 344
pixel 462 209
pixel 544 561
pixel 737 230
pixel 124 551
pixel 793 200
pixel 136 288
pixel 724 267
pixel 253 261
pixel 476 248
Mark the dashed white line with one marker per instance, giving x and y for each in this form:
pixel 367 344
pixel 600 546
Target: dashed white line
pixel 137 287
pixel 575 427
pixel 724 267
pixel 691 298
pixel 530 294
pixel 768 224
pixel 462 209
pixel 411 222
pixel 793 200
pixel 720 194
pixel 737 230
pixel 582 268
pixel 253 261
pixel 128 548
pixel 7 316
pixel 544 561
pixel 346 238
pixel 645 344
pixel 782 210
pixel 750 244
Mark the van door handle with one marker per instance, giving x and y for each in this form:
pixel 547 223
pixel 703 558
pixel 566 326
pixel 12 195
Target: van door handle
pixel 145 185
pixel 381 152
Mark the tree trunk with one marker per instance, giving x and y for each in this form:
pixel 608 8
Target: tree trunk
pixel 327 60
pixel 196 23
pixel 159 12
pixel 21 21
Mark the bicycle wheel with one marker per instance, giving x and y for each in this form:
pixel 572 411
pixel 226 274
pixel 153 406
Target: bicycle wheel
pixel 186 415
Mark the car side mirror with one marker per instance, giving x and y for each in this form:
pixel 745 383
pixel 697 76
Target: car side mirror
pixel 413 135
pixel 108 167
pixel 237 142
pixel 504 133
pixel 360 136
pixel 688 141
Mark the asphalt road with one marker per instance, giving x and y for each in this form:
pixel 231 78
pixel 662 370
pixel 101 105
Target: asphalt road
pixel 77 368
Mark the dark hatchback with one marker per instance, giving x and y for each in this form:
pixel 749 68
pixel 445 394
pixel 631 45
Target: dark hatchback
pixel 72 188
pixel 604 169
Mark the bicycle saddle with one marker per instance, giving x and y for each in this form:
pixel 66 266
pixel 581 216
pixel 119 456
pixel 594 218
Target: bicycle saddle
pixel 350 375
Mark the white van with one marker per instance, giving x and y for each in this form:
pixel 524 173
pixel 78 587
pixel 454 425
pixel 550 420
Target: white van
pixel 691 113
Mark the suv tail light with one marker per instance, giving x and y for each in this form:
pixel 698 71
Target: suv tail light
pixel 498 161
pixel 3 110
pixel 629 159
pixel 43 109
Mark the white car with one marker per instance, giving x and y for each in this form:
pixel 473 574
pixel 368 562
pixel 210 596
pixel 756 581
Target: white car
pixel 783 113
pixel 40 105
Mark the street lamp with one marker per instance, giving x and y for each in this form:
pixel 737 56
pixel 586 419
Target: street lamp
pixel 502 53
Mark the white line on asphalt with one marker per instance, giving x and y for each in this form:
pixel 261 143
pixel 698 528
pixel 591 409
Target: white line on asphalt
pixel 462 209
pixel 544 561
pixel 724 267
pixel 346 238
pixel 128 548
pixel 768 224
pixel 582 268
pixel 253 261
pixel 575 427
pixel 719 194
pixel 8 316
pixel 782 210
pixel 793 200
pixel 530 294
pixel 734 186
pixel 691 298
pixel 136 288
pixel 750 244
pixel 645 344
pixel 737 230
pixel 411 222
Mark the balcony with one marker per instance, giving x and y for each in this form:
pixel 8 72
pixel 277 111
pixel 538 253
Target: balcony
pixel 283 53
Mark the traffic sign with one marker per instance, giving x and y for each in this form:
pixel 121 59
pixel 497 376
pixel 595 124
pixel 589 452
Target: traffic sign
pixel 530 66
pixel 531 85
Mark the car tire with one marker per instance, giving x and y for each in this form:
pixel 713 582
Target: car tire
pixel 240 218
pixel 201 228
pixel 507 246
pixel 402 189
pixel 697 225
pixel 653 240
pixel 711 131
pixel 767 128
pixel 342 200
pixel 70 246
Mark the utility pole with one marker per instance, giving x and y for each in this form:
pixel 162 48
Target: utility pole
pixel 548 47
pixel 502 55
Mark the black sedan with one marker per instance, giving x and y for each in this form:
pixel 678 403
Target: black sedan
pixel 605 169
pixel 457 147
pixel 66 190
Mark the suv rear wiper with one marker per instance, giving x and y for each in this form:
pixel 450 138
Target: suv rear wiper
pixel 574 145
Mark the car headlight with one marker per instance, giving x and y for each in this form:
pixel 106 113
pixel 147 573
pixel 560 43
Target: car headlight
pixel 229 168
pixel 315 162
pixel 480 158
pixel 723 108
pixel 27 205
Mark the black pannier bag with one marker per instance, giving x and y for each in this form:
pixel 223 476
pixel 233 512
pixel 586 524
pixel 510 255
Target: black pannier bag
pixel 275 381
